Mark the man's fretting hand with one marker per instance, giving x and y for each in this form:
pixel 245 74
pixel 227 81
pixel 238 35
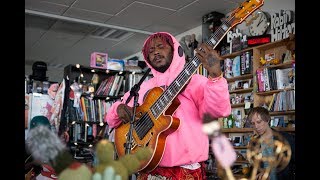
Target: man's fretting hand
pixel 210 59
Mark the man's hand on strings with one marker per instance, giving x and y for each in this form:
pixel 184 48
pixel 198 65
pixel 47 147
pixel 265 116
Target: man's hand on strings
pixel 124 113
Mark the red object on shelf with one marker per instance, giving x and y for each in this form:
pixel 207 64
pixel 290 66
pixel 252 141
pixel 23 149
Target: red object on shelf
pixel 258 40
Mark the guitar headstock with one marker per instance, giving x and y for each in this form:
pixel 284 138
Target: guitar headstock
pixel 244 10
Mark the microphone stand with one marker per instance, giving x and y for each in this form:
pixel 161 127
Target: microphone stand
pixel 134 93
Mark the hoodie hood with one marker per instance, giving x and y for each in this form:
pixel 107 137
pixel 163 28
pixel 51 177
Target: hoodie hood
pixel 175 67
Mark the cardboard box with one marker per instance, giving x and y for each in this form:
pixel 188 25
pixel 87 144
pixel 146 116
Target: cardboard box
pixel 99 60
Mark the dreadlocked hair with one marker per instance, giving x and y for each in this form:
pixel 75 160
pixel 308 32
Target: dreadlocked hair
pixel 164 37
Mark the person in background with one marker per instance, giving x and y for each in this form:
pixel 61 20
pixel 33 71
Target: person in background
pixel 187 148
pixel 259 118
pixel 193 44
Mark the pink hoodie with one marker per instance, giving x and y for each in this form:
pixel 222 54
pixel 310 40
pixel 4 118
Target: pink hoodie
pixel 188 144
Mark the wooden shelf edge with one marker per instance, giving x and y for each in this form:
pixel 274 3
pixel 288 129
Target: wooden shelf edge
pixel 276 113
pixel 286 129
pixel 239 105
pixel 239 130
pixel 228 130
pixel 242 77
pixel 237 53
pixel 287 64
pixel 242 90
pixel 266 93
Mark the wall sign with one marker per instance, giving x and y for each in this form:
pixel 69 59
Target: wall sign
pixel 282 24
pixel 231 35
pixel 237 40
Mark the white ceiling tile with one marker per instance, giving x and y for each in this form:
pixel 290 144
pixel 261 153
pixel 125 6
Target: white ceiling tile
pixel 32 36
pixel 172 4
pixel 51 45
pixel 200 8
pixel 87 15
pixel 132 16
pixel 64 2
pixel 43 6
pixel 104 6
pixel 131 45
pixel 38 22
pixel 72 28
pixel 81 51
pixel 164 27
pixel 190 16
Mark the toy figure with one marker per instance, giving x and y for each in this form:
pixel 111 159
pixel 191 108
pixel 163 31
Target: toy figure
pixel 125 165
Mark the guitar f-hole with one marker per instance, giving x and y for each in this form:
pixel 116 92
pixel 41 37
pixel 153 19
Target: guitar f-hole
pixel 147 144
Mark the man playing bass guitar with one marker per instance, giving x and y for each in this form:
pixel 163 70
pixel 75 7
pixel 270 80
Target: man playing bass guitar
pixel 185 148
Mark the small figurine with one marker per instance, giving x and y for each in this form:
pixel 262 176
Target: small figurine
pixel 263 61
pixel 275 61
pixel 272 62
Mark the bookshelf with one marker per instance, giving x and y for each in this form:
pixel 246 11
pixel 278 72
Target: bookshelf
pixel 261 97
pixel 83 117
pixel 84 109
pixel 258 97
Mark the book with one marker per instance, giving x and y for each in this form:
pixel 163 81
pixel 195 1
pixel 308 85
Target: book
pixel 228 68
pixel 236 66
pixel 283 77
pixel 270 107
pixel 260 80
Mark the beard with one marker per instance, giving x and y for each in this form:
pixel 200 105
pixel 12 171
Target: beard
pixel 164 67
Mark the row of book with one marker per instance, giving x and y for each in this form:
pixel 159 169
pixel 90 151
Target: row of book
pixel 81 132
pixel 239 65
pixel 92 110
pixel 282 101
pixel 133 79
pixel 88 132
pixel 274 79
pixel 202 71
pixel 110 86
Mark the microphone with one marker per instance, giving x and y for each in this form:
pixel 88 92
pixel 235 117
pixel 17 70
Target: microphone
pixel 135 89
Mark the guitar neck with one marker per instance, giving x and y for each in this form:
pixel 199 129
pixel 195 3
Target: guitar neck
pixel 190 68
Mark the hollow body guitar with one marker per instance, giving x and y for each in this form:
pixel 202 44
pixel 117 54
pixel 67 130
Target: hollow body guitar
pixel 155 122
pixel 149 130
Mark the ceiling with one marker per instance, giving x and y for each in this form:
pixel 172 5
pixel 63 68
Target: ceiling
pixel 62 32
